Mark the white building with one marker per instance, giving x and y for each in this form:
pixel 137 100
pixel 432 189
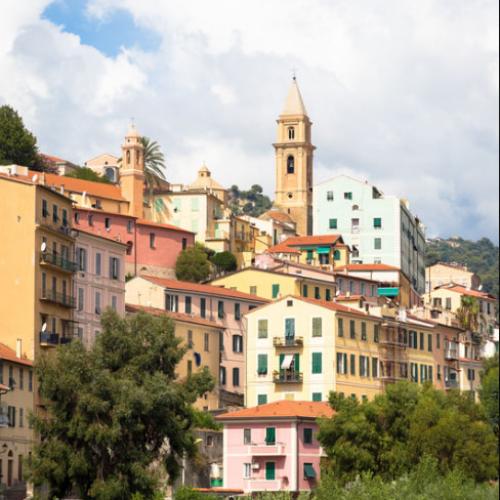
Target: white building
pixel 378 228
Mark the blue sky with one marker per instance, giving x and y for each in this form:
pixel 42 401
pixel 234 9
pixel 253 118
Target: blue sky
pixel 403 94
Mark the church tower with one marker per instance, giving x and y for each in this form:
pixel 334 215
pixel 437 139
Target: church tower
pixel 294 162
pixel 132 172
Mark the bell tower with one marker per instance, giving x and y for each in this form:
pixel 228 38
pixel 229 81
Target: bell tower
pixel 294 162
pixel 132 172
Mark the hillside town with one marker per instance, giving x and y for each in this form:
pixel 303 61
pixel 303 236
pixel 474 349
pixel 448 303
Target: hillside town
pixel 325 292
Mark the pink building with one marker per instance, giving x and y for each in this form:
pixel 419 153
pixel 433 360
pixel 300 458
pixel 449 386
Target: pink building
pixel 273 447
pixel 224 306
pixel 151 248
pixel 99 282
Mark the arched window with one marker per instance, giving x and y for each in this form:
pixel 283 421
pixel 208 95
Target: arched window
pixel 128 156
pixel 291 133
pixel 290 165
pixel 110 173
pixel 355 207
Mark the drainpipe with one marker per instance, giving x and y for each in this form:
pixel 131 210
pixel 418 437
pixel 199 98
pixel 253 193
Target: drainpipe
pixel 135 248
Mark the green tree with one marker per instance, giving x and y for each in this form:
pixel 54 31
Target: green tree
pixel 154 164
pixel 468 313
pixel 116 412
pixel 17 144
pixel 224 262
pixel 388 436
pixel 489 391
pixel 87 174
pixel 193 264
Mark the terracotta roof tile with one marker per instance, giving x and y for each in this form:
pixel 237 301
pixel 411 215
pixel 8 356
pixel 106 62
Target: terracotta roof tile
pixel 282 248
pixel 471 293
pixel 328 239
pixel 276 215
pixel 350 298
pixel 8 354
pixel 367 267
pixel 144 222
pixel 186 318
pixel 204 289
pixel 281 409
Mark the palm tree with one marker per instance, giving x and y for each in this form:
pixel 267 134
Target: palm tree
pixel 154 165
pixel 468 313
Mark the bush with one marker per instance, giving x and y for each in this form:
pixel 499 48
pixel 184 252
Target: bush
pixel 193 265
pixel 225 262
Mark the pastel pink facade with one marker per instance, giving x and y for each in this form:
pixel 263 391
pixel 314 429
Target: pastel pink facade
pixel 99 282
pixel 289 462
pixel 151 248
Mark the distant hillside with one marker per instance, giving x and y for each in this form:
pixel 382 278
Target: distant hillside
pixel 253 202
pixel 480 257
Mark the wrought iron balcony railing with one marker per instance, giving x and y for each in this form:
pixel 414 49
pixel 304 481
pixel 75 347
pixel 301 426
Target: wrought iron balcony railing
pixel 56 260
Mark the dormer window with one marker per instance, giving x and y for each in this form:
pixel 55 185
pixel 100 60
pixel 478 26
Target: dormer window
pixel 291 133
pixel 290 165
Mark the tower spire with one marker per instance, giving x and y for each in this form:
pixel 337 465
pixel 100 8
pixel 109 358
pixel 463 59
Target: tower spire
pixel 294 104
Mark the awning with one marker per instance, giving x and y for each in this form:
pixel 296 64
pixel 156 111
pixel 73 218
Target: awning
pixel 287 362
pixel 309 471
pixel 323 250
pixel 388 292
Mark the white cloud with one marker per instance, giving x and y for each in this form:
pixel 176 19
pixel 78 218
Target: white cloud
pixel 403 93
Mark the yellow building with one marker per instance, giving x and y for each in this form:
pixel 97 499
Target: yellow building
pixel 273 284
pixel 294 162
pixel 16 405
pixel 202 338
pixel 302 349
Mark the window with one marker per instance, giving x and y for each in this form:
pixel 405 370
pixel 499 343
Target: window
pixel 364 366
pixel 429 342
pixel 21 417
pixel 317 397
pixel 309 472
pixel 130 226
pixel 81 254
pixel 329 196
pixel 81 304
pixel 97 303
pixel 317 327
pixel 310 256
pixel 236 377
pixel 90 219
pixel 222 375
pixel 261 399
pixel 152 240
pixel 341 363
pixel 471 374
pixel 352 329
pixel 55 214
pixel 98 263
pixel 291 133
pixel 237 312
pixel 189 368
pixel 64 217
pixel 263 328
pixel 377 223
pixel 190 339
pixel 203 308
pixel 253 290
pixel 247 470
pixel 275 291
pixel 353 364
pixel 172 303
pixel 351 287
pixel 238 343
pixel 438 341
pixel 305 291
pixel 206 342
pixel 270 471
pixel 317 363
pixel 308 435
pixel 289 328
pixel 262 364
pixel 364 335
pixel 45 209
pixel 114 268
pixel 220 309
pixel 422 346
pixel 290 165
pixel 107 223
pixel 340 327
pixel 375 367
pixel 348 196
pixel 188 304
pixel 21 379
pixel 328 295
pixel 30 381
pixel 333 223
pixel 377 243
pixel 270 435
pixel 11 415
pixel 448 303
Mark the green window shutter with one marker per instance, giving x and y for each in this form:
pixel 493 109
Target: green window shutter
pixel 263 328
pixel 262 399
pixel 310 255
pixel 317 397
pixel 270 471
pixel 429 342
pixel 363 331
pixel 333 224
pixel 340 324
pixel 309 472
pixel 271 435
pixel 377 222
pixel 276 291
pixel 353 364
pixel 296 362
pixel 262 364
pixel 317 363
pixel 282 358
pixel 289 327
pixel 305 291
pixel 352 329
pixel 336 255
pixel 328 295
pixel 317 327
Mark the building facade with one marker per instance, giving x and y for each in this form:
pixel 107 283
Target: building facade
pixel 379 229
pixel 444 273
pixel 273 447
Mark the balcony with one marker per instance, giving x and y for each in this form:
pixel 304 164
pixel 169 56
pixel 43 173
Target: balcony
pixel 288 341
pixel 60 299
pixel 284 377
pixel 55 260
pixel 267 450
pixel 451 354
pixel 49 339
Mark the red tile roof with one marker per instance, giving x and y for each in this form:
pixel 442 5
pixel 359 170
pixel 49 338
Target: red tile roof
pixel 102 236
pixel 279 216
pixel 144 222
pixel 8 354
pixel 204 289
pixel 350 298
pixel 282 248
pixel 334 306
pixel 367 267
pixel 471 293
pixel 299 241
pixel 70 184
pixel 282 409
pixel 185 318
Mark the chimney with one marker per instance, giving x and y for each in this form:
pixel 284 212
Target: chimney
pixel 19 348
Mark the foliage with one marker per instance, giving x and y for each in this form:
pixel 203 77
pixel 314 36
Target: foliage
pixel 116 415
pixel 154 164
pixel 467 313
pixel 224 262
pixel 388 436
pixel 193 264
pixel 489 391
pixel 185 493
pixel 423 482
pixel 480 257
pixel 252 202
pixel 87 174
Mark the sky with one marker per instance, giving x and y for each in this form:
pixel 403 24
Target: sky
pixel 402 93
